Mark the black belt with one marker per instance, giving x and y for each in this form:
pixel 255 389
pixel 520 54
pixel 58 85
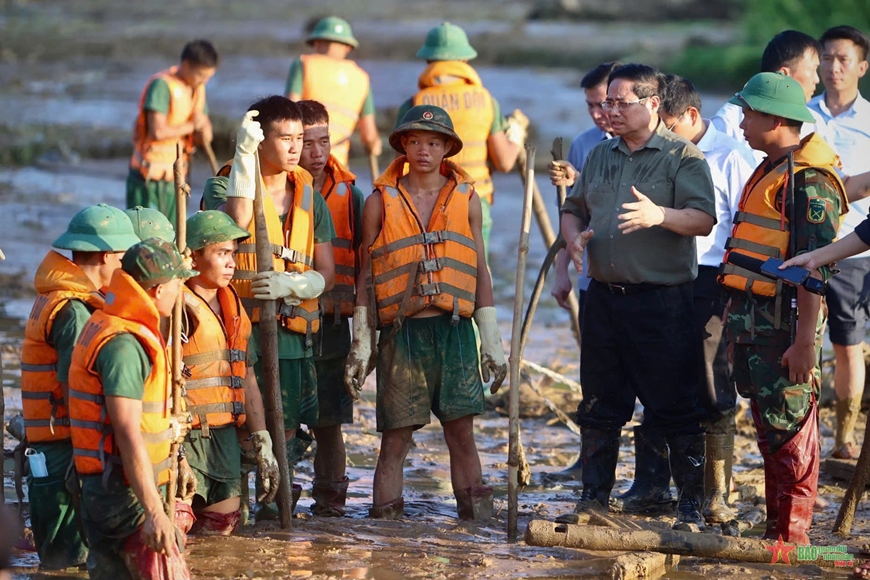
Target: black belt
pixel 628 289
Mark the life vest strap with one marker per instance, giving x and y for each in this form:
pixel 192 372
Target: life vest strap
pixel 345 270
pixel 51 423
pixel 425 238
pixel 427 266
pixel 342 243
pixel 236 408
pixel 231 381
pixel 38 396
pixel 756 220
pixel 230 355
pixel 279 251
pixel 30 368
pixel 428 290
pixel 750 246
pixel 89 397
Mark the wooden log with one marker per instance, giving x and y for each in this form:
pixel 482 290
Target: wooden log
pixel 269 357
pixel 549 534
pixel 637 565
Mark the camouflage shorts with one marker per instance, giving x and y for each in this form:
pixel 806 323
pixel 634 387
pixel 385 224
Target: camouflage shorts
pixel 782 404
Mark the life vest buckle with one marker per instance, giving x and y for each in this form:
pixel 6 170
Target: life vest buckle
pixel 433 265
pixel 235 382
pixel 430 289
pixel 238 408
pixel 432 237
pixel 288 254
pixel 237 355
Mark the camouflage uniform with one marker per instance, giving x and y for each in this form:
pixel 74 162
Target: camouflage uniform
pixel 758 346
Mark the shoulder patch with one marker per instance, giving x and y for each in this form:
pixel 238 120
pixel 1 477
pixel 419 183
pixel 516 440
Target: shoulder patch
pixel 817 209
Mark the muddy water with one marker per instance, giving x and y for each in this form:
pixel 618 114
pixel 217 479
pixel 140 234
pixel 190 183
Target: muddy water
pixel 38 201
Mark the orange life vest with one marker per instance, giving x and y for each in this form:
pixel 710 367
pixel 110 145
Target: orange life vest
pixel 58 280
pixel 154 159
pixel 342 86
pixel 414 267
pixel 339 197
pixel 455 87
pixel 292 251
pixel 214 360
pixel 128 310
pixel 761 226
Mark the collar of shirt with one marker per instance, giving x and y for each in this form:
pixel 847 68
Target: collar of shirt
pixel 657 141
pixel 708 141
pixel 860 107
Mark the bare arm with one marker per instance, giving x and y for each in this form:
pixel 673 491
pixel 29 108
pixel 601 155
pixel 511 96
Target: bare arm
pixel 857 186
pixel 159 129
pixel 241 210
pixel 371 228
pixel 255 415
pixel 324 263
pixel 483 294
pixel 368 134
pixel 688 222
pixel 502 152
pixel 839 250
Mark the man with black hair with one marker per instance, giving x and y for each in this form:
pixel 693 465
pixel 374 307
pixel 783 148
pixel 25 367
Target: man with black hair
pixel 172 108
pixel 638 205
pixel 847 115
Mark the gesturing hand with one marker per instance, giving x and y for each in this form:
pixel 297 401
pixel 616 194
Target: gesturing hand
pixel 577 247
pixel 641 214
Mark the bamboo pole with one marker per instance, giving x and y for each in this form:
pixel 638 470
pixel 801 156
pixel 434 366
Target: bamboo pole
pixel 269 356
pixel 556 152
pixel 537 291
pixel 373 166
pixel 182 190
pixel 843 523
pixel 515 356
pixel 212 160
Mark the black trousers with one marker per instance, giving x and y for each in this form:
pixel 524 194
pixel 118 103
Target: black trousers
pixel 718 395
pixel 642 345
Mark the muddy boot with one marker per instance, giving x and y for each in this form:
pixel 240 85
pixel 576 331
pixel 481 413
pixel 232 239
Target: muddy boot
pixel 687 466
pixel 573 472
pixel 297 447
pixel 599 456
pixel 717 479
pixel 270 511
pixel 392 510
pixel 329 497
pixel 474 503
pixel 650 492
pixel 844 438
pixel 771 498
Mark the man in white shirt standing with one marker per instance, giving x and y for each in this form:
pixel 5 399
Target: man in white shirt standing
pixel 847 117
pixel 731 164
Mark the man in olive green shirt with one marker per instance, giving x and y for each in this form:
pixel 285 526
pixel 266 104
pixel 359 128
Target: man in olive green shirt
pixel 641 199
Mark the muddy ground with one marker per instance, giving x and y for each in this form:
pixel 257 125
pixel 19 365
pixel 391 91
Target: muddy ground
pixel 70 74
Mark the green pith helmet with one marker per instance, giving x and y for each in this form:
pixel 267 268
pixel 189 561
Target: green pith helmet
pixel 427 118
pixel 446 42
pixel 99 228
pixel 212 227
pixel 774 94
pixel 150 223
pixel 334 29
pixel 154 261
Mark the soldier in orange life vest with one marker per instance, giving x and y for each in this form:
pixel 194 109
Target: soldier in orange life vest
pixel 172 108
pixel 220 389
pixel 429 281
pixel 300 233
pixel 332 345
pixel 69 291
pixel 121 422
pixel 340 84
pixel 449 82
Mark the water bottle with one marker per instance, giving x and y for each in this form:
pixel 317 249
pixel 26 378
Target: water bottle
pixel 37 463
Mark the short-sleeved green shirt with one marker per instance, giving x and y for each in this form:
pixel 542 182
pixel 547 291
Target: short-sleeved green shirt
pixel 65 330
pixel 123 367
pixel 295 83
pixel 499 123
pixel 671 172
pixel 158 97
pixel 291 345
pixel 334 341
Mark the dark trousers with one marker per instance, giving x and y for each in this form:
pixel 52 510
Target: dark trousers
pixel 718 395
pixel 641 345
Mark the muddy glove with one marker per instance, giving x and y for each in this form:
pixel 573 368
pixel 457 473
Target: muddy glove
pixel 363 356
pixel 517 128
pixel 491 349
pixel 292 286
pixel 267 465
pixel 186 487
pixel 243 174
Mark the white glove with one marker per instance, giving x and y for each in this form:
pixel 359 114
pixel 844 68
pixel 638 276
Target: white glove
pixel 292 286
pixel 517 128
pixel 363 357
pixel 491 348
pixel 243 174
pixel 267 465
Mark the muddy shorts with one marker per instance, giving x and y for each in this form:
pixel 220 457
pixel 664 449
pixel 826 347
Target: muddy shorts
pixel 216 462
pixel 428 365
pixel 336 406
pixel 298 379
pixel 159 195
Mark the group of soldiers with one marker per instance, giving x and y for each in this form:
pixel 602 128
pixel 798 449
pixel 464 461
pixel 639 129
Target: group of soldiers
pixel 405 267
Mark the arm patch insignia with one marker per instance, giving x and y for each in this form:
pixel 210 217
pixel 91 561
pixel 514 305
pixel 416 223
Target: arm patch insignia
pixel 817 210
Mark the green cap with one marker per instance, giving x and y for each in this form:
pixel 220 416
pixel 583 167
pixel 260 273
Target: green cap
pixel 426 118
pixel 774 94
pixel 212 227
pixel 446 42
pixel 154 261
pixel 150 223
pixel 334 29
pixel 99 228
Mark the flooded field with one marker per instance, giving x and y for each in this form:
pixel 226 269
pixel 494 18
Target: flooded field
pixel 69 98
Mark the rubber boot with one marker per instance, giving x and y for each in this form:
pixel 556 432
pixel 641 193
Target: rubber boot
pixel 650 492
pixel 717 478
pixel 844 438
pixel 392 510
pixel 795 470
pixel 329 497
pixel 599 456
pixel 270 511
pixel 687 467
pixel 474 503
pixel 771 498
